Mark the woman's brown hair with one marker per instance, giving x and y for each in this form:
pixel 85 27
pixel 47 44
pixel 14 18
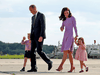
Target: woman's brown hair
pixel 62 16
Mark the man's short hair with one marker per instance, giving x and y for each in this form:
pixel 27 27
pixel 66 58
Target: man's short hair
pixel 32 6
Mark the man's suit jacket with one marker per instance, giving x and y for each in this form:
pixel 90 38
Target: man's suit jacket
pixel 39 27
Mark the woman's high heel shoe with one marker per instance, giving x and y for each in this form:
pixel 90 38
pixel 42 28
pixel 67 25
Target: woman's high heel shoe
pixel 59 69
pixel 72 69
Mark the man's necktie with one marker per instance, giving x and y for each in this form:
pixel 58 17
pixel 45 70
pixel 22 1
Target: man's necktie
pixel 34 20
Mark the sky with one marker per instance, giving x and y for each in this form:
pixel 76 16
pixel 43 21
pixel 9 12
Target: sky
pixel 15 19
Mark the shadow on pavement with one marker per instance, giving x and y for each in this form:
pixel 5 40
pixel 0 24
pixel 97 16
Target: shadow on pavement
pixel 18 72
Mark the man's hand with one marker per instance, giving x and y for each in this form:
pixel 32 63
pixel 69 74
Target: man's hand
pixel 40 39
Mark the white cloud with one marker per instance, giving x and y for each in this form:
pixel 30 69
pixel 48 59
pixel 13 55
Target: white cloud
pixel 88 26
pixel 14 28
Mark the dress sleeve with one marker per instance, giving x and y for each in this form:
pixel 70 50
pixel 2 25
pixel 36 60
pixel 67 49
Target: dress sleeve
pixel 74 25
pixel 62 25
pixel 23 42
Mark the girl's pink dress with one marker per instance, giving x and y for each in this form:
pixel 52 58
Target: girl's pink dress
pixel 81 54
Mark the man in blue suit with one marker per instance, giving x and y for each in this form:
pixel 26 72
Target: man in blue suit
pixel 37 37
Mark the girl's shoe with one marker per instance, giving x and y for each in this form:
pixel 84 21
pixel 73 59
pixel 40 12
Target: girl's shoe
pixel 81 71
pixel 87 69
pixel 59 69
pixel 72 69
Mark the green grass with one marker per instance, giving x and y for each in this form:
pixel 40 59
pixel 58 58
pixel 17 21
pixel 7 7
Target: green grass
pixel 12 56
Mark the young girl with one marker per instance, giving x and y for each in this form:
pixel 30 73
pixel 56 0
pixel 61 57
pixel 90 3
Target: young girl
pixel 81 53
pixel 27 44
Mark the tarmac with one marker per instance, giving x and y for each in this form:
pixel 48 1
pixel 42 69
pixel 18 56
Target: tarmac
pixel 13 66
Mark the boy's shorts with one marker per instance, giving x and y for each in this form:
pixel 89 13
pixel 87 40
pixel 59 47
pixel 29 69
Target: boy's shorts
pixel 27 54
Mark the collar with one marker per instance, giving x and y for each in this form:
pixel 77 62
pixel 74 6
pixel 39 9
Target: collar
pixel 36 14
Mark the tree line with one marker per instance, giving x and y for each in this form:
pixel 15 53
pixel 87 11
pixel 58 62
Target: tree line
pixel 17 48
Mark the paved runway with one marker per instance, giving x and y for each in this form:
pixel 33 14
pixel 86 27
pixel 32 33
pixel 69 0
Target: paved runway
pixel 12 66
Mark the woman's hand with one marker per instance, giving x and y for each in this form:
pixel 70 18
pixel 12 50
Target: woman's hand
pixel 75 37
pixel 61 29
pixel 75 40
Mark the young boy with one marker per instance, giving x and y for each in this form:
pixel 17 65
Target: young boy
pixel 27 55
